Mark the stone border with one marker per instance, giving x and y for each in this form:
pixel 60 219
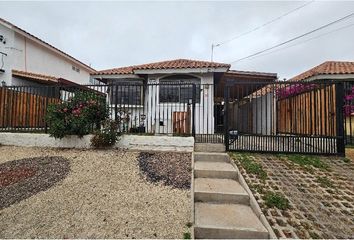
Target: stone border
pixel 131 142
pixel 253 202
pixel 192 199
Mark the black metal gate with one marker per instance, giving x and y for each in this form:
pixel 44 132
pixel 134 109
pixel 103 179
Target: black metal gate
pixel 284 117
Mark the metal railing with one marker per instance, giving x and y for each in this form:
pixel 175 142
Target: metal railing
pixel 306 117
pixel 140 108
pixel 290 117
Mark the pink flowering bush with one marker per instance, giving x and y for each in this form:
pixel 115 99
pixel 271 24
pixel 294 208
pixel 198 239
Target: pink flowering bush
pixel 294 89
pixel 348 102
pixel 77 116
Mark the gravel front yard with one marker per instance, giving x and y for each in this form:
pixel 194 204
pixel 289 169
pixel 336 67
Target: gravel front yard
pixel 94 194
pixel 302 196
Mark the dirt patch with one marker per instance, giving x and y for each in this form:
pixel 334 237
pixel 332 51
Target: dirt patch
pixel 21 179
pixel 172 169
pixel 12 176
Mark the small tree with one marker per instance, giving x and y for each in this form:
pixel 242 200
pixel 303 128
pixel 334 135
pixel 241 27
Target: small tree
pixel 78 115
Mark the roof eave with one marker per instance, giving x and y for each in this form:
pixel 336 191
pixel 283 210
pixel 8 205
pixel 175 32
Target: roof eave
pixel 341 76
pixel 114 76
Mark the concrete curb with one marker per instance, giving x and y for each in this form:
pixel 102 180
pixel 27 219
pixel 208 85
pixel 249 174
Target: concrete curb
pixel 253 203
pixel 131 142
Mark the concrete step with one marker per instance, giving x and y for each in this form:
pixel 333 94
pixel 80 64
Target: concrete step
pixel 216 221
pixel 219 191
pixel 209 156
pixel 205 169
pixel 209 147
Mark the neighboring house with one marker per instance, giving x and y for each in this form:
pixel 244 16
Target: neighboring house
pixel 161 93
pixel 28 60
pixel 329 70
pixel 335 71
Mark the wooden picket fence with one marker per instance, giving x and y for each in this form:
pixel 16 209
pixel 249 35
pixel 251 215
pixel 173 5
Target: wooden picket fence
pixel 308 113
pixel 19 109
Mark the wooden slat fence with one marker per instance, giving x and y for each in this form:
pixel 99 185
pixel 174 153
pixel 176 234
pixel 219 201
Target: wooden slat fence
pixel 181 122
pixel 308 113
pixel 20 109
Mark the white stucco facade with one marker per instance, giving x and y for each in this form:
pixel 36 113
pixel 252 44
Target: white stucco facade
pixel 26 53
pixel 159 115
pixel 163 112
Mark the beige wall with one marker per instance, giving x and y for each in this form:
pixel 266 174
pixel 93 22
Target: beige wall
pixel 27 55
pixel 38 59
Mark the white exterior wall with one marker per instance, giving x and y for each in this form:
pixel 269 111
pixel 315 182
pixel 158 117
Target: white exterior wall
pixel 27 55
pixel 263 111
pixel 6 48
pixel 156 111
pixel 257 116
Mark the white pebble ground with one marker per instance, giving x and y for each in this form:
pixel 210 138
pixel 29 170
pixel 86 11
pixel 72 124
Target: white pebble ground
pixel 104 196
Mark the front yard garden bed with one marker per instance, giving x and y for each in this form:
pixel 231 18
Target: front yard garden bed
pixel 171 169
pixel 302 196
pixel 104 195
pixel 21 179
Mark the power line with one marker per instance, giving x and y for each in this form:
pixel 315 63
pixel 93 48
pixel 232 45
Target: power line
pixel 295 38
pixel 264 24
pixel 307 40
pixel 256 28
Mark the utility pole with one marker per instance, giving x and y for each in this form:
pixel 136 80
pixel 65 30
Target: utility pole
pixel 212 50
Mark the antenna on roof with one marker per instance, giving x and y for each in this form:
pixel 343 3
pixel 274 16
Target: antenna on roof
pixel 212 50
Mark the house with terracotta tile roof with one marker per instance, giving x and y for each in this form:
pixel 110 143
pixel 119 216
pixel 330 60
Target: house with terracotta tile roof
pixel 27 60
pixel 335 71
pixel 165 90
pixel 329 70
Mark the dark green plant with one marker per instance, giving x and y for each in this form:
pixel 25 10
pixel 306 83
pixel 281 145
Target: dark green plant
pixel 107 136
pixel 76 116
pixel 277 200
pixel 186 235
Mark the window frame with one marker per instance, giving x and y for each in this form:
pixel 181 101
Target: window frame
pixel 125 89
pixel 180 82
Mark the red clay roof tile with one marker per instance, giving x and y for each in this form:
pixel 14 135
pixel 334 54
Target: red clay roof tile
pixel 329 67
pixel 35 76
pixel 172 64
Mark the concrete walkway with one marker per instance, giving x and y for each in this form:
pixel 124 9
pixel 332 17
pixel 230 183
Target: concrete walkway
pixel 221 204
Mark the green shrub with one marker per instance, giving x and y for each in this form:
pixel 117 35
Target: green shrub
pixel 186 235
pixel 277 200
pixel 76 116
pixel 107 136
